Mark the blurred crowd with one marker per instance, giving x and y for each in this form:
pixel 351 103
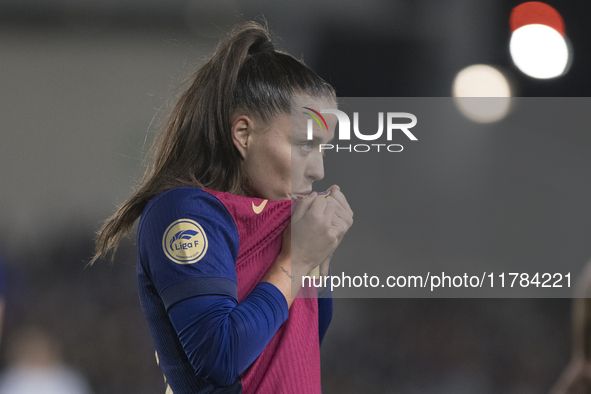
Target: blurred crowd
pixel 85 317
pixel 71 325
pixel 35 366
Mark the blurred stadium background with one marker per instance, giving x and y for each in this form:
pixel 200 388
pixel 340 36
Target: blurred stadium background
pixel 84 87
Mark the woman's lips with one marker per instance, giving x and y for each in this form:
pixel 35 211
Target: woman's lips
pixel 303 194
pixel 322 194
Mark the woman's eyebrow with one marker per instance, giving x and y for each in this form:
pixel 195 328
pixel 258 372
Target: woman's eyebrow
pixel 318 140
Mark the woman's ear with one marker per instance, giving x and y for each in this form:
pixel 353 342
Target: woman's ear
pixel 241 129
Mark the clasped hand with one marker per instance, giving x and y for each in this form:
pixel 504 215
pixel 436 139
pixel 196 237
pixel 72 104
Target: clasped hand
pixel 318 225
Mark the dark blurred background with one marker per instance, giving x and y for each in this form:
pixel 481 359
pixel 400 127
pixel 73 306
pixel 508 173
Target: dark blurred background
pixel 85 86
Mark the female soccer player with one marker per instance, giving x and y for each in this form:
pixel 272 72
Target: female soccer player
pixel 221 254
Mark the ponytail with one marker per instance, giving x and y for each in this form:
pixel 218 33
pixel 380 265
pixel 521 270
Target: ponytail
pixel 245 73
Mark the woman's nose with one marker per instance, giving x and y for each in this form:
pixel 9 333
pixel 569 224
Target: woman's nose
pixel 315 170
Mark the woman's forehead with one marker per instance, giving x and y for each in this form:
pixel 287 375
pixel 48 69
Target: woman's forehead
pixel 295 124
pixel 321 131
pixel 310 108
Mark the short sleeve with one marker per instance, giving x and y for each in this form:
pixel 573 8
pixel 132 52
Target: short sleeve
pixel 188 244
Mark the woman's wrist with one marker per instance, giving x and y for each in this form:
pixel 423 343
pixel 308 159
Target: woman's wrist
pixel 286 276
pixel 297 268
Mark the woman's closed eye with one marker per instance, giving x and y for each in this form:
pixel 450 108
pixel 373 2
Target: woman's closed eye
pixel 307 146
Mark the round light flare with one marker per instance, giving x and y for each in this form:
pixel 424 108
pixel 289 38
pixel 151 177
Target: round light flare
pixel 482 93
pixel 535 12
pixel 539 51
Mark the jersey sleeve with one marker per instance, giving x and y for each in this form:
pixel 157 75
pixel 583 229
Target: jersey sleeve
pixel 324 309
pixel 188 244
pixel 222 338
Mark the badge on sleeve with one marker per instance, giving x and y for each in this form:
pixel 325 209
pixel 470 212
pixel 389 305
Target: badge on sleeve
pixel 184 242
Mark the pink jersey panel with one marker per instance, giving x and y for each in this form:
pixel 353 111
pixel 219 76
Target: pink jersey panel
pixel 291 361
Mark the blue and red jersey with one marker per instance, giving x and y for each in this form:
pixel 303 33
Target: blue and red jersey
pixel 216 327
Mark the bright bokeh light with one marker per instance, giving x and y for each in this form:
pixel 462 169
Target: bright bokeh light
pixel 481 80
pixel 539 51
pixel 482 93
pixel 536 13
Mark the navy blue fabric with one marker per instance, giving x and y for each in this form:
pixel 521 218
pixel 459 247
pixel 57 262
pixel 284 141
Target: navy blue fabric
pixel 324 309
pixel 191 204
pixel 198 286
pixel 222 338
pixel 204 338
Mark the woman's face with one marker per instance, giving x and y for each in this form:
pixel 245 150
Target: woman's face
pixel 279 159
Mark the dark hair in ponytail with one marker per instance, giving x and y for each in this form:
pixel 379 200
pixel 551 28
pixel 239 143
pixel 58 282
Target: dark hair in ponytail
pixel 195 148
